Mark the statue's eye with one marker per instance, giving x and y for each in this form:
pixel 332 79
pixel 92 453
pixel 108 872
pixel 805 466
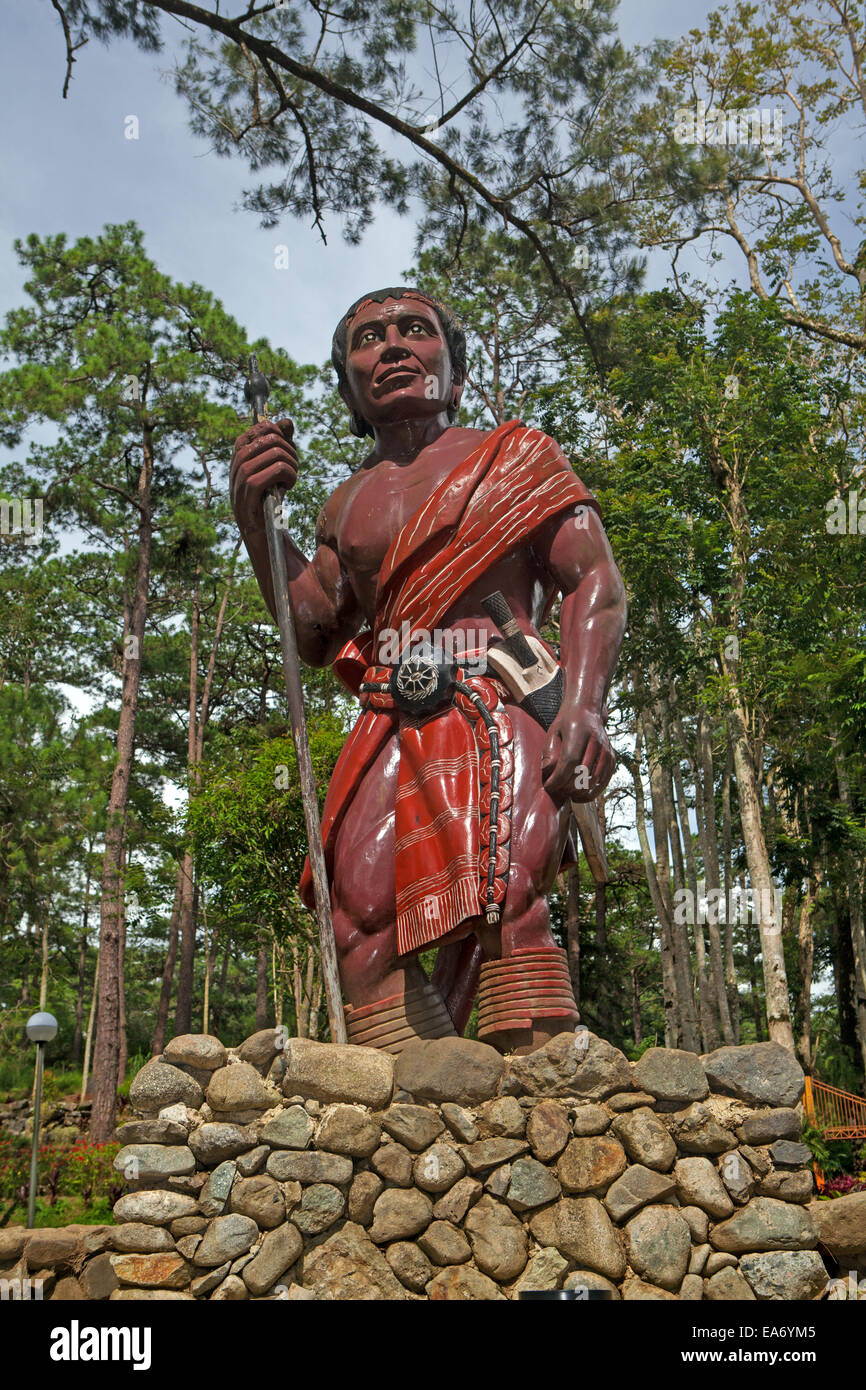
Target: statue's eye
pixel 369 337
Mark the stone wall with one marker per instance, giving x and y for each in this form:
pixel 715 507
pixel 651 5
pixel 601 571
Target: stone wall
pixel 317 1171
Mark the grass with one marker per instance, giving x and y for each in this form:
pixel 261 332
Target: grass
pixel 66 1211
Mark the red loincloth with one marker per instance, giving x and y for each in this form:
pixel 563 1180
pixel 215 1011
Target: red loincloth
pixel 515 480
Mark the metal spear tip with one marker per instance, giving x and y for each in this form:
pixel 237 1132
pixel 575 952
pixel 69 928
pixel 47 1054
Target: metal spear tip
pixel 256 388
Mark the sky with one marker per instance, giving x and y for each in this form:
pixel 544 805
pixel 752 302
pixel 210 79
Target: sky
pixel 69 167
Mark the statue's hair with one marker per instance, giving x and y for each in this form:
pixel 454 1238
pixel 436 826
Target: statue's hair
pixel 450 324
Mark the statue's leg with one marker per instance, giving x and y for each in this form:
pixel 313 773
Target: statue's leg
pixel 390 1001
pixel 525 995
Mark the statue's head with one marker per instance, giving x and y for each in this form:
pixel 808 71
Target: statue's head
pixel 399 355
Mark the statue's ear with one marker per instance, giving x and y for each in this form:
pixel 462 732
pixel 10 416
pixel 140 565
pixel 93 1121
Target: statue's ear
pixel 358 425
pixel 458 381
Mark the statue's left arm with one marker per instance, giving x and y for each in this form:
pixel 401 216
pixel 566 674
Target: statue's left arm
pixel 576 553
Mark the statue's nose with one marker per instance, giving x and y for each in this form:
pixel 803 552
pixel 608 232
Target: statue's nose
pixel 394 347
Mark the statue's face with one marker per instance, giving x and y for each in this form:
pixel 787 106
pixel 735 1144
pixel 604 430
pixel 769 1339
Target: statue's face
pixel 398 366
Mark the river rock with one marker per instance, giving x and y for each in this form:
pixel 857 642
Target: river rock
pixel 728 1286
pixel 290 1166
pixel 261 1048
pixel 399 1215
pixel 136 1238
pixel 639 1291
pixel 215 1193
pixel 761 1073
pixel 288 1129
pixel 454 1205
pixel 362 1197
pixel 498 1239
pixel 841 1226
pixel 260 1198
pixel 460 1123
pixel 321 1205
pixel 546 1270
pixel 151 1132
pixel 659 1245
pixel 251 1163
pixel 697 1222
pixel 637 1187
pixel 786 1154
pixel 216 1141
pixel 231 1290
pixel 348 1129
pixel 503 1117
pixel 591 1165
pixel 334 1072
pixel 573 1064
pixel 410 1265
pixel 531 1185
pixel 438 1168
pixel 449 1069
pixel 225 1238
pixel 645 1139
pixel 445 1244
pixel 698 1184
pixel 414 1126
pixel 485 1154
pixel 548 1130
pixel 157 1085
pixel 165 1270
pixel 200 1050
pixel 628 1100
pixel 737 1176
pixel 154 1208
pixel 238 1088
pixel 697 1131
pixel 580 1228
pixel 462 1284
pixel 206 1283
pixel 788 1187
pixel 785 1274
pixel 140 1162
pixel 584 1279
pixel 591 1119
pixel 347 1265
pixel 279 1251
pixel 394 1163
pixel 765 1224
pixel 670 1074
pixel 763 1126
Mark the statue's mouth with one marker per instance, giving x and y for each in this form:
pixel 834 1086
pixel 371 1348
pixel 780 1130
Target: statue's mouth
pixel 393 372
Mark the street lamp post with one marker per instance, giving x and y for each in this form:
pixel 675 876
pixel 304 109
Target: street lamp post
pixel 40 1029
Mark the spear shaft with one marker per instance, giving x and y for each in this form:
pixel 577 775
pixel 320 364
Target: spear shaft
pixel 256 392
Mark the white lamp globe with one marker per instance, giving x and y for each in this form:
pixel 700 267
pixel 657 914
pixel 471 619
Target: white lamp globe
pixel 41 1027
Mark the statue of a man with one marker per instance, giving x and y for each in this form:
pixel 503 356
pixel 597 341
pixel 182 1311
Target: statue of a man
pixel 447 815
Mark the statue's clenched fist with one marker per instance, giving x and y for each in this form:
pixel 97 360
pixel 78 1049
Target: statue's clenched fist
pixel 264 457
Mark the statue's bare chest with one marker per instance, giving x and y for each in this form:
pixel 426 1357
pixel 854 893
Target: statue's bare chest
pixel 385 498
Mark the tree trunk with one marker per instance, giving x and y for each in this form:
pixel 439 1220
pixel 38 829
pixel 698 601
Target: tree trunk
pixel 711 869
pixel 186 969
pixel 636 1030
pixel 757 858
pixel 731 983
pixel 669 987
pixel 806 951
pixel 82 969
pixel 107 1051
pixel 663 833
pixel 262 985
pixel 854 876
pixel 88 1038
pixel 158 1044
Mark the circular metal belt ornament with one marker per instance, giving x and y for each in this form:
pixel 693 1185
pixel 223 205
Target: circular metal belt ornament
pixel 422 683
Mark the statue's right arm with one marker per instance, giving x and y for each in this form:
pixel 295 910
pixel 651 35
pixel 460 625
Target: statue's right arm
pixel 324 605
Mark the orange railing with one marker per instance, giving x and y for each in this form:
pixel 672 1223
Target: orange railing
pixel 839 1114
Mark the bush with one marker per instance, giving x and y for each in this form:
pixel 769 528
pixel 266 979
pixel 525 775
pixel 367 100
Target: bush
pixel 83 1171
